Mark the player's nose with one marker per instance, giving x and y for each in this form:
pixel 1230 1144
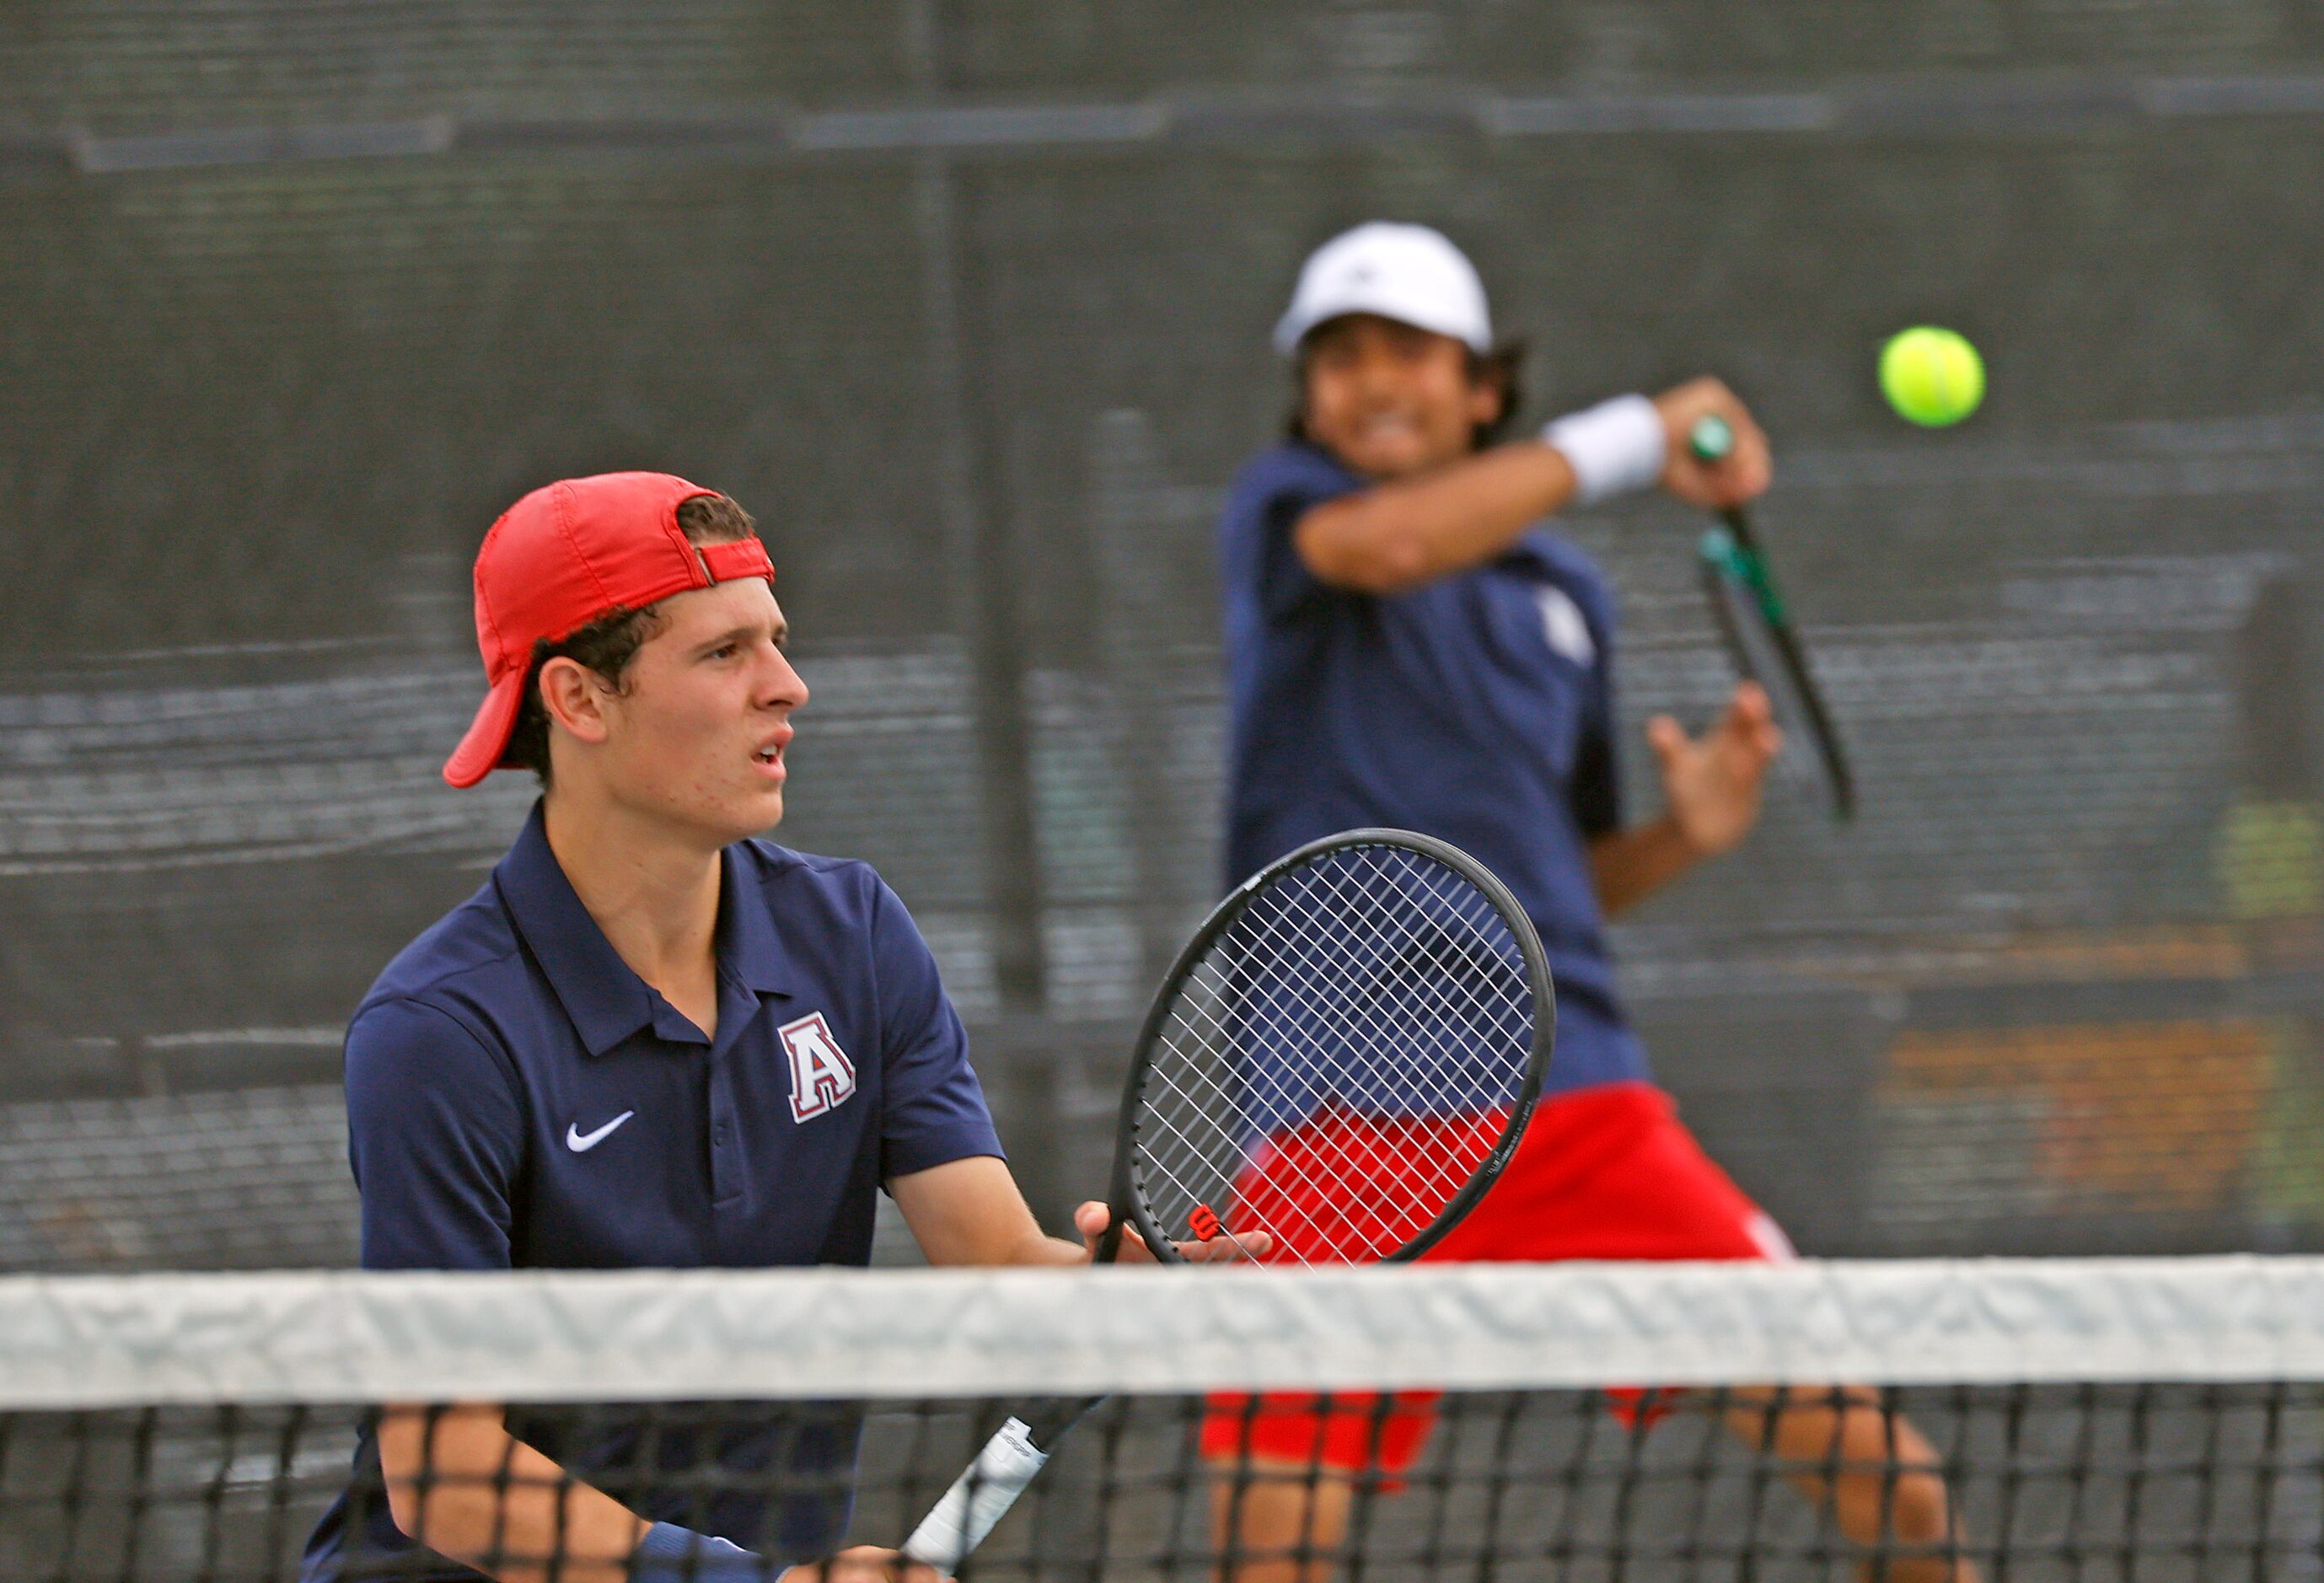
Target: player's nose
pixel 781 685
pixel 1377 375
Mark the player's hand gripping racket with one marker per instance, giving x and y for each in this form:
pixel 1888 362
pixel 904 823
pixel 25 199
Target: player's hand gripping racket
pixel 1764 645
pixel 1339 1064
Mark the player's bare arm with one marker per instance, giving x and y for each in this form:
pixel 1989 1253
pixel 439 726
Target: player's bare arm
pixel 1711 789
pixel 1401 535
pixel 1401 404
pixel 459 1482
pixel 971 1212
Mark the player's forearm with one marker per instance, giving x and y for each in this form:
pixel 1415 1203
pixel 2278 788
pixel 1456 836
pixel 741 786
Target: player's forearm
pixel 1026 1245
pixel 461 1485
pixel 1396 536
pixel 1627 866
pixel 1046 1249
pixel 969 1211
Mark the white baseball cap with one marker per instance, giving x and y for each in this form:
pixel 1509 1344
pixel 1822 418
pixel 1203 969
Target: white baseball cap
pixel 1408 273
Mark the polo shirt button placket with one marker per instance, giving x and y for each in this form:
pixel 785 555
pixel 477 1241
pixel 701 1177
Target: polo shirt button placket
pixel 725 1175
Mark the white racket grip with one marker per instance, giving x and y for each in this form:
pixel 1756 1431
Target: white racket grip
pixel 978 1499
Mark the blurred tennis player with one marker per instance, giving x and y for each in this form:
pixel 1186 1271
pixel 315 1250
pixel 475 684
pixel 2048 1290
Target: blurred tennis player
pixel 1410 646
pixel 649 1040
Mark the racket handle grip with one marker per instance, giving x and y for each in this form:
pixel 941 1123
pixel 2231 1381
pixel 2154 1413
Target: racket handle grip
pixel 1710 439
pixel 978 1499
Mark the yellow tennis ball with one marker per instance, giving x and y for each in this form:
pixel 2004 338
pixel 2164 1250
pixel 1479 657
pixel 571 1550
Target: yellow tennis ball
pixel 1932 376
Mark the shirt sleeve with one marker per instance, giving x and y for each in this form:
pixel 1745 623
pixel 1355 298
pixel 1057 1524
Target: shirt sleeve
pixel 933 1110
pixel 1279 490
pixel 435 1135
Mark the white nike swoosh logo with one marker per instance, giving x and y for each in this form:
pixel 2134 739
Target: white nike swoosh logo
pixel 581 1142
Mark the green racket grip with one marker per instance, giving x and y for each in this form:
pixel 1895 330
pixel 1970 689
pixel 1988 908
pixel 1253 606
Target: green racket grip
pixel 1711 439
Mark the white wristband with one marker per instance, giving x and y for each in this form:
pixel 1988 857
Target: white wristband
pixel 1614 448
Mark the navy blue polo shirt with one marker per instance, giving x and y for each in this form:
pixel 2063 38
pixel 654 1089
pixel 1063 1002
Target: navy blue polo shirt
pixel 518 1097
pixel 1477 708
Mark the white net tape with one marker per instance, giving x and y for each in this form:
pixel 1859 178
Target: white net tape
pixel 94 1341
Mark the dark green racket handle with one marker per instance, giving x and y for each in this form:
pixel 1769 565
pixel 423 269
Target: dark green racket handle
pixel 1711 437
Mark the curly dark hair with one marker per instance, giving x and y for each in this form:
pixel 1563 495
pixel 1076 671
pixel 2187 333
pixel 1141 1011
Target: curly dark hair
pixel 1503 366
pixel 609 643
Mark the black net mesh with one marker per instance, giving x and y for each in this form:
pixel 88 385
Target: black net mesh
pixel 2023 1482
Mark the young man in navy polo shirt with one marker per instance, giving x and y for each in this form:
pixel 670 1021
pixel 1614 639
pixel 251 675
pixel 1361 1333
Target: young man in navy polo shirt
pixel 1408 646
pixel 649 1041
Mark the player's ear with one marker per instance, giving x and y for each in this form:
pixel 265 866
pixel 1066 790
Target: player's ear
pixel 1295 425
pixel 574 696
pixel 1486 400
pixel 1490 379
pixel 1494 395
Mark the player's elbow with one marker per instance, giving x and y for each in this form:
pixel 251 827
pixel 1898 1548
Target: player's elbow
pixel 435 1463
pixel 404 1483
pixel 403 1508
pixel 1355 549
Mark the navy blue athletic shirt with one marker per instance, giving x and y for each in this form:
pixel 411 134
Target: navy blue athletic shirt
pixel 1476 708
pixel 519 1098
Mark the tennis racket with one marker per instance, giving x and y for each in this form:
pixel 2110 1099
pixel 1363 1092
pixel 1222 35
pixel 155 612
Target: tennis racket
pixel 1764 644
pixel 1336 1067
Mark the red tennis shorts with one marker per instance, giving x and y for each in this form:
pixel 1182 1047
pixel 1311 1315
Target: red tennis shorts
pixel 1606 1173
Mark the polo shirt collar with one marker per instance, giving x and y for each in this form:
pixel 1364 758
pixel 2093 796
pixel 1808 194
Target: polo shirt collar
pixel 605 998
pixel 601 993
pixel 748 949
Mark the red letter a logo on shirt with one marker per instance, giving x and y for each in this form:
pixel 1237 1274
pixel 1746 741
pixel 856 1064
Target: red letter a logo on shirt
pixel 821 1074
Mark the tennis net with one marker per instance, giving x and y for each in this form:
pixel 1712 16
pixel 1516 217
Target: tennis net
pixel 2032 1420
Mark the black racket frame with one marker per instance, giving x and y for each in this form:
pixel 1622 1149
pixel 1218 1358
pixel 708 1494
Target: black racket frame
pixel 1748 565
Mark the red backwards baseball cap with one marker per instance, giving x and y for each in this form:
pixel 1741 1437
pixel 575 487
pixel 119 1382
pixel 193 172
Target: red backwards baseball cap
pixel 565 556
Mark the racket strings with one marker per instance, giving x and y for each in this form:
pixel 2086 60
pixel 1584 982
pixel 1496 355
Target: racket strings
pixel 1393 953
pixel 1504 1020
pixel 1379 1231
pixel 1377 1185
pixel 1196 1172
pixel 1398 950
pixel 1466 905
pixel 1272 1021
pixel 1345 1057
pixel 1451 1178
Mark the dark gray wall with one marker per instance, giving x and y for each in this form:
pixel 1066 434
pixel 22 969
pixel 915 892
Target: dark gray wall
pixel 969 303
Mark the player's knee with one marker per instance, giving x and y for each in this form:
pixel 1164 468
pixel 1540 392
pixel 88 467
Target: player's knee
pixel 1260 1508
